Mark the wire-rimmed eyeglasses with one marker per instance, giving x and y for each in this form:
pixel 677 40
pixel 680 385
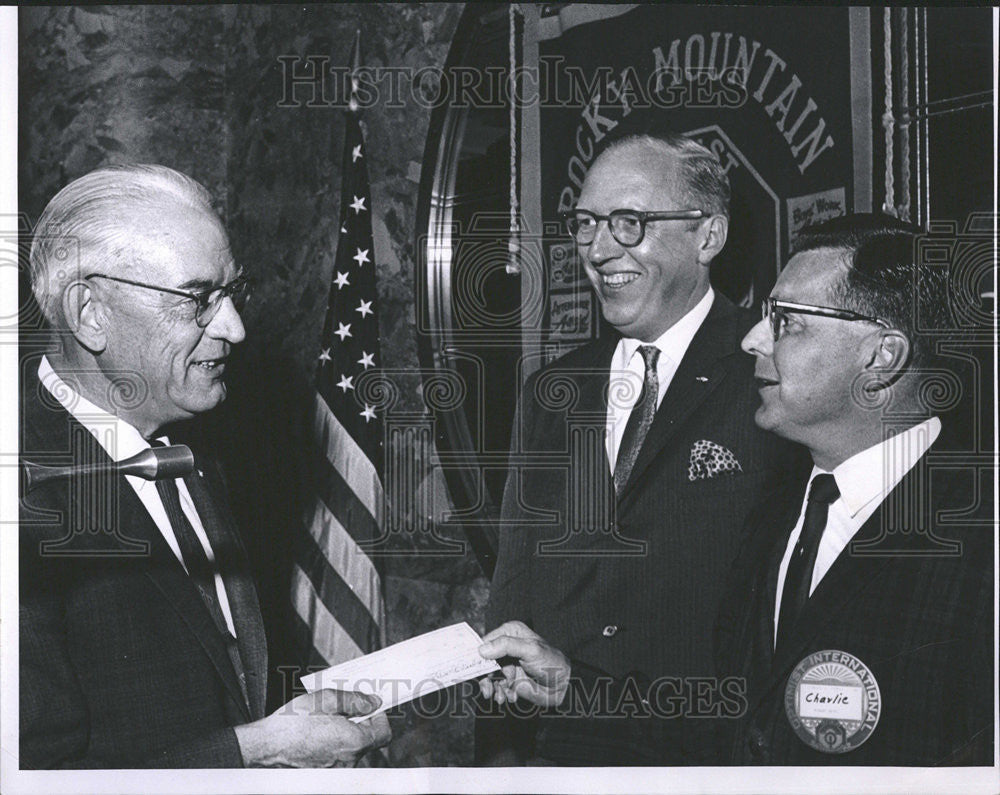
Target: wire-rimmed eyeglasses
pixel 207 302
pixel 628 227
pixel 775 311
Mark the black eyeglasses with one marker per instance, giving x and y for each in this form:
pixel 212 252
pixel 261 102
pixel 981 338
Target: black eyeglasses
pixel 775 311
pixel 207 302
pixel 628 227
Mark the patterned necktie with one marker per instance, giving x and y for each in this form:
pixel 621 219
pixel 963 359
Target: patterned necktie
pixel 798 577
pixel 195 560
pixel 639 420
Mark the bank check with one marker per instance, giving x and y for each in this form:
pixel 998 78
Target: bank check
pixel 409 669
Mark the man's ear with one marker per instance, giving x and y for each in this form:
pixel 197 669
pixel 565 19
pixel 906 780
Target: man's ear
pixel 85 316
pixel 889 357
pixel 715 232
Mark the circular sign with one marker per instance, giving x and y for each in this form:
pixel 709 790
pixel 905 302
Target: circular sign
pixel 832 701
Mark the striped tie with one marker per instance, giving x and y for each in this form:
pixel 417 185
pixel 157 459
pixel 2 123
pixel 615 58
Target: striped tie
pixel 639 420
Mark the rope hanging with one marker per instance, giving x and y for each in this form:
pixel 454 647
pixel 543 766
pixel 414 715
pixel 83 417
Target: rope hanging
pixel 514 239
pixel 904 121
pixel 888 206
pixel 925 199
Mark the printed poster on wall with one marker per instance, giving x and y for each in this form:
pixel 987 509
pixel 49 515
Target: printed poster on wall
pixel 767 89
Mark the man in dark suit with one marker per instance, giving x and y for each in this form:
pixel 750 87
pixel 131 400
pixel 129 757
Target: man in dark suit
pixel 141 640
pixel 860 613
pixel 635 459
pixel 883 552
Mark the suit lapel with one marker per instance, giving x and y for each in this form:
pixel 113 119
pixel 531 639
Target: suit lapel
pixel 590 411
pixel 789 506
pixel 708 359
pixel 774 529
pixel 172 581
pixel 594 384
pixel 240 590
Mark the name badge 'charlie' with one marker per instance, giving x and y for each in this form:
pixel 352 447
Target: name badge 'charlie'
pixel 832 701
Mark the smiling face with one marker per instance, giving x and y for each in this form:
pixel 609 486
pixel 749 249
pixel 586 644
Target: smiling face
pixel 806 376
pixel 647 288
pixel 155 334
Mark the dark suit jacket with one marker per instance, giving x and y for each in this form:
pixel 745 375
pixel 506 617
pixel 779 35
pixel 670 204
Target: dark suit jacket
pixel 917 612
pixel 630 587
pixel 121 664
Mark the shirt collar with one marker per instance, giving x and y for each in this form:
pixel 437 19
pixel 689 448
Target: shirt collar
pixel 119 438
pixel 675 341
pixel 876 471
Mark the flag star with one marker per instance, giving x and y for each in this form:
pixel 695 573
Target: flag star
pixel 356 153
pixel 325 355
pixel 368 413
pixel 345 382
pixel 343 331
pixel 367 360
pixel 341 280
pixel 361 257
pixel 365 308
pixel 358 204
pixel 343 229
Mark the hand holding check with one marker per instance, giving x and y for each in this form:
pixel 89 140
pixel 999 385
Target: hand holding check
pixel 314 730
pixel 534 670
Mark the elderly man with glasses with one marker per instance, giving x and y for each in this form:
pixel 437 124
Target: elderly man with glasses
pixel 859 616
pixel 634 462
pixel 141 637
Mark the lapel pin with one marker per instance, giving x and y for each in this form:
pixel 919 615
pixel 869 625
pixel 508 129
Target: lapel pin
pixel 702 378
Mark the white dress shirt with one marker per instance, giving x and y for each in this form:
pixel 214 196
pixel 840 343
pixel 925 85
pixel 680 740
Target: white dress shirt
pixel 628 370
pixel 864 481
pixel 121 440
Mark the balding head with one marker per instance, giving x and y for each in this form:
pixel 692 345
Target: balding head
pixel 702 181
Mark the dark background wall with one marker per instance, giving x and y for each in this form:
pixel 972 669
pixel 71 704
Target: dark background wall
pixel 197 88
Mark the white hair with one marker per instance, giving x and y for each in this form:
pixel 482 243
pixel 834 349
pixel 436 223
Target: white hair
pixel 84 225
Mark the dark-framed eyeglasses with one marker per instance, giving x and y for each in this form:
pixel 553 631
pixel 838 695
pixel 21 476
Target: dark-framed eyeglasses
pixel 207 302
pixel 775 311
pixel 628 227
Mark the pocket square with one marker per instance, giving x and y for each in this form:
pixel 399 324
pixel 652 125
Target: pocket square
pixel 709 459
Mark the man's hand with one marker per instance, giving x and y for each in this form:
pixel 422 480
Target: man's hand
pixel 540 673
pixel 313 730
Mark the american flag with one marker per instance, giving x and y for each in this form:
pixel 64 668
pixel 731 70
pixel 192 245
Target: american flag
pixel 336 587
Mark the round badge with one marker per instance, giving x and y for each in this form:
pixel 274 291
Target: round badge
pixel 832 701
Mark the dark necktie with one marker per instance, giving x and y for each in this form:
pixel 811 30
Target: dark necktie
pixel 195 560
pixel 201 571
pixel 798 577
pixel 639 420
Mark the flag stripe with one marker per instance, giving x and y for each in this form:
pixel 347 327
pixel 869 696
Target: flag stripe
pixel 338 598
pixel 319 619
pixel 343 503
pixel 354 567
pixel 313 660
pixel 348 458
